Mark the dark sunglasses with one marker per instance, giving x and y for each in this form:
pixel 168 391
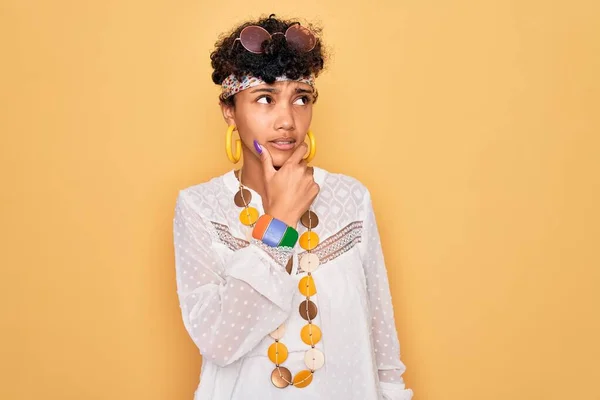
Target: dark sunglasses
pixel 252 38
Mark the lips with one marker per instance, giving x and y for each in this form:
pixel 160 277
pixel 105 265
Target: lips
pixel 283 143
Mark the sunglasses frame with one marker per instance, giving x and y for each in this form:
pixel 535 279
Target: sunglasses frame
pixel 314 38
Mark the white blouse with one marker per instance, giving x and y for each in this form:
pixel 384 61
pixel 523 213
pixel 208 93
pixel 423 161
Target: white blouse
pixel 233 292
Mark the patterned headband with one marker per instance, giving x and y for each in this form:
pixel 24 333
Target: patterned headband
pixel 231 85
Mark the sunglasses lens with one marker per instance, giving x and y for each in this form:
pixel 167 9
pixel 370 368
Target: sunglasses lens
pixel 302 38
pixel 252 38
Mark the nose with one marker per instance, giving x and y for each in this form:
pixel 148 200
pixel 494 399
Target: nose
pixel 285 117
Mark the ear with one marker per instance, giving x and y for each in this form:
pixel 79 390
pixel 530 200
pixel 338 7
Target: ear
pixel 228 113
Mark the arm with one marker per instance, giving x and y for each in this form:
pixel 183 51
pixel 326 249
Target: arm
pixel 228 306
pixel 385 338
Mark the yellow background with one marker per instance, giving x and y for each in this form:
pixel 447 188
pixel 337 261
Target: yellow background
pixel 474 123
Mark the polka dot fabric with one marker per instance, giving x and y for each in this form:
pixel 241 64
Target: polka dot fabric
pixel 231 85
pixel 231 299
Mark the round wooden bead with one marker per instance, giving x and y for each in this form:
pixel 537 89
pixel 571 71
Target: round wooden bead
pixel 309 219
pixel 240 196
pixel 309 262
pixel 248 216
pixel 308 310
pixel 307 286
pixel 309 240
pixel 278 333
pixel 310 334
pixel 303 378
pixel 314 359
pixel 281 377
pixel 277 353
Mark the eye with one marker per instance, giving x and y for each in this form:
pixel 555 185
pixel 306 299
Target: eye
pixel 305 100
pixel 264 99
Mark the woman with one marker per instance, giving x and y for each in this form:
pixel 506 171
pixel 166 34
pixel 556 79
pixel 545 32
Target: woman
pixel 280 273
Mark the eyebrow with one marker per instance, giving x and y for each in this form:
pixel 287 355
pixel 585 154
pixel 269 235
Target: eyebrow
pixel 302 90
pixel 274 90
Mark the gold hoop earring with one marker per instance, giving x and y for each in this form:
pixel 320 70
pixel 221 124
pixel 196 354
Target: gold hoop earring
pixel 234 158
pixel 312 147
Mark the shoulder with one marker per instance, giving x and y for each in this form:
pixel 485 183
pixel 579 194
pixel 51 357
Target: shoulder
pixel 343 186
pixel 201 190
pixel 203 197
pixel 343 192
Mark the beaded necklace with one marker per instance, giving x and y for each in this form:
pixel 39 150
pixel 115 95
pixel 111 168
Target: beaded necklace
pixel 310 334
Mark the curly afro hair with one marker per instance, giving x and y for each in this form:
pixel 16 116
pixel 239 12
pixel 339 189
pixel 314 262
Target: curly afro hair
pixel 278 58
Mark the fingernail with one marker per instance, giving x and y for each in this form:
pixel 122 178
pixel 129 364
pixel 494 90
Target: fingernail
pixel 258 147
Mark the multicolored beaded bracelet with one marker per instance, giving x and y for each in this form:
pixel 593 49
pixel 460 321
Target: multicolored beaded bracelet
pixel 274 232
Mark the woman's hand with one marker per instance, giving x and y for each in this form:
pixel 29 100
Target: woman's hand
pixel 290 190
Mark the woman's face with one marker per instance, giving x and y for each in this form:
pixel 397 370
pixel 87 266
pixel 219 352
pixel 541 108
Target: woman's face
pixel 278 115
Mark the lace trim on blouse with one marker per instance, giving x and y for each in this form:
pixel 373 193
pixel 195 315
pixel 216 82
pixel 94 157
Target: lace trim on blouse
pixel 339 243
pixel 329 249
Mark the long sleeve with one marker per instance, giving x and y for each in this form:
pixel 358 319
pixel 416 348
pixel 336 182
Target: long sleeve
pixel 385 338
pixel 228 304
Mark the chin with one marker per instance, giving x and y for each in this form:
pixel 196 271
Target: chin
pixel 279 161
